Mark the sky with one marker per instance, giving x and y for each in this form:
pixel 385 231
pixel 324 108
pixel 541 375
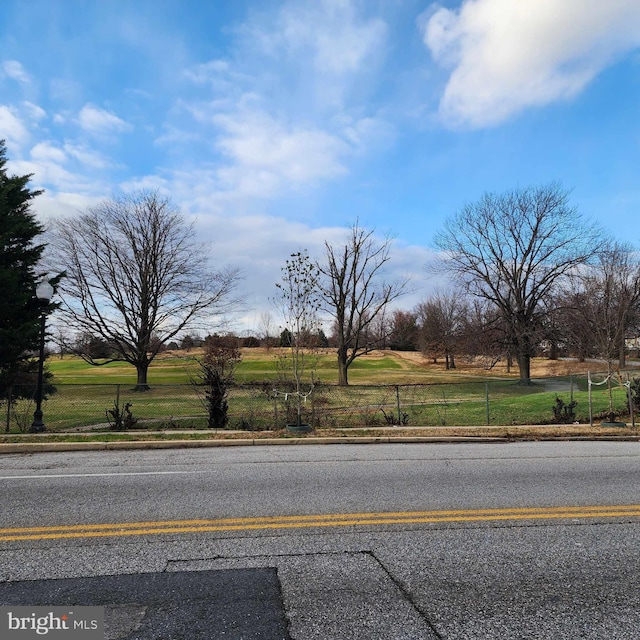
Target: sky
pixel 275 125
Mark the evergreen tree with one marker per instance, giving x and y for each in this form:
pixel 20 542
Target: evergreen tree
pixel 19 255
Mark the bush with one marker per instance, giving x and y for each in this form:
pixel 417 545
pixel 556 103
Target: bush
pixel 217 369
pixel 635 393
pixel 121 419
pixel 564 413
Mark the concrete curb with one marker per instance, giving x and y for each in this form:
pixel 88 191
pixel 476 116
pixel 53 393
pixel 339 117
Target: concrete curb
pixel 42 447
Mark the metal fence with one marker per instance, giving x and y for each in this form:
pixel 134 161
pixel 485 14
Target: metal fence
pixel 264 406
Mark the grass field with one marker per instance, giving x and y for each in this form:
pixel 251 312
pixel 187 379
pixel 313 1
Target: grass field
pixel 377 367
pixel 386 387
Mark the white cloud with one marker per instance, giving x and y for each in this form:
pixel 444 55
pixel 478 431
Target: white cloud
pixel 293 155
pixel 95 120
pixel 281 111
pixel 13 69
pixel 65 168
pixel 260 244
pixel 341 42
pixel 202 73
pixel 86 156
pixel 62 204
pixel 507 56
pixel 48 171
pixel 367 131
pixel 47 152
pixel 34 111
pixel 13 129
pixel 149 183
pixel 325 45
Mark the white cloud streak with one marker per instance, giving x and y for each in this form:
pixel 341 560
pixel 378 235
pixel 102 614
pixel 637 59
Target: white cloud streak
pixel 279 115
pixel 92 119
pixel 507 56
pixel 12 128
pixel 341 43
pixel 263 149
pixel 14 69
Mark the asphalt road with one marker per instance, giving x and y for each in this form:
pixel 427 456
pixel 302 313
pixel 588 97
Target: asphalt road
pixel 536 540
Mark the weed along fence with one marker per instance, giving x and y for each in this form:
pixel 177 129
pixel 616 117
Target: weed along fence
pixel 266 406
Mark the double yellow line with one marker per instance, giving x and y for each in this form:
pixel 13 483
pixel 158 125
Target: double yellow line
pixel 323 520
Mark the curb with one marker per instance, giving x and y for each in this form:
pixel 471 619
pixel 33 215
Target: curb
pixel 37 447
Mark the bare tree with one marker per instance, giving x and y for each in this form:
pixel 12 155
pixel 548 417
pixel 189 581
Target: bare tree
pixel 354 291
pixel 607 302
pixel 137 277
pixel 267 330
pixel 483 334
pixel 512 249
pixel 404 331
pixel 299 304
pixel 576 329
pixel 441 320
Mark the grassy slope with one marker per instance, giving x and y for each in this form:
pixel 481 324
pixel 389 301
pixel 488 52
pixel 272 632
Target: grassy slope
pixel 377 367
pixel 452 397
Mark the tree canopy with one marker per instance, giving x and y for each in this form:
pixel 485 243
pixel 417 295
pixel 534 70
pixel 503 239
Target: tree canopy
pixel 137 277
pixel 354 291
pixel 511 249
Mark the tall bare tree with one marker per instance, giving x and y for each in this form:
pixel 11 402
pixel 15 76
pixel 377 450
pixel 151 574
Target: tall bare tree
pixel 354 291
pixel 137 277
pixel 403 334
pixel 299 304
pixel 512 249
pixel 607 301
pixel 441 319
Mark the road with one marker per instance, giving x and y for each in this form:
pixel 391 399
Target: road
pixel 527 540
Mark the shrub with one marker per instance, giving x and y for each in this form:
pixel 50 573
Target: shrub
pixel 564 413
pixel 217 369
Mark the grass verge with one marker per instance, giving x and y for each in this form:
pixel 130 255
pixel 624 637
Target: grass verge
pixel 513 433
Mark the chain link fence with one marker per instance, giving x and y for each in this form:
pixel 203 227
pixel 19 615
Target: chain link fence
pixel 263 406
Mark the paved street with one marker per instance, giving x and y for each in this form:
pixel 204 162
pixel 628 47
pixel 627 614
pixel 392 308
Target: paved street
pixel 536 540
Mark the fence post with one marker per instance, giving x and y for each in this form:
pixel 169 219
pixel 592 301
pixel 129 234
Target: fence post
pixel 486 399
pixel 9 396
pixel 398 404
pixel 630 398
pixel 572 379
pixel 590 401
pixel 275 411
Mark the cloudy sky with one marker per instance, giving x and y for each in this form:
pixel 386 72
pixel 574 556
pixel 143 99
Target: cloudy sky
pixel 276 124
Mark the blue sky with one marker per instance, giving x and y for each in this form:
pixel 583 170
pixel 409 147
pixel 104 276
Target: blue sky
pixel 276 124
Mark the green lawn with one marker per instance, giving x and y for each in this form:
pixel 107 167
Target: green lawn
pixel 385 387
pixel 257 365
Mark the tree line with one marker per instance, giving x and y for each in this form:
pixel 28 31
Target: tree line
pixel 526 271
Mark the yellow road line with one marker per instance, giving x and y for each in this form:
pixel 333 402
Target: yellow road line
pixel 305 521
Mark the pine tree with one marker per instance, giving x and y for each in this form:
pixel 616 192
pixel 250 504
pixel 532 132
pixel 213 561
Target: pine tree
pixel 19 255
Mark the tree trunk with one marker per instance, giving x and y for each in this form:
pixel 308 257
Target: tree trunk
pixel 142 369
pixel 622 361
pixel 343 380
pixel 524 365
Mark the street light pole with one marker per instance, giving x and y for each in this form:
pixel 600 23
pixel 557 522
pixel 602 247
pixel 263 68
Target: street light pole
pixel 44 293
